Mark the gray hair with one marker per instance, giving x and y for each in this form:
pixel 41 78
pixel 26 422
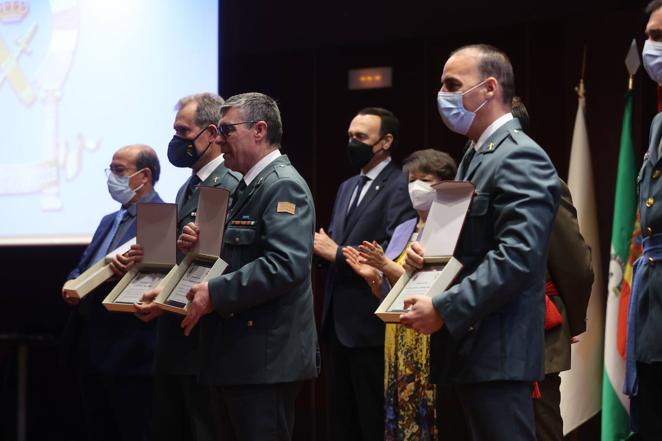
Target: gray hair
pixel 208 110
pixel 255 106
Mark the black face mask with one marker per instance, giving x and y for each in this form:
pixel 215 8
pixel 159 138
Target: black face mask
pixel 360 153
pixel 181 151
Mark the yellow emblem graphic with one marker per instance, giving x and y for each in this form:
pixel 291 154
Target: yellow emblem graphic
pixel 35 65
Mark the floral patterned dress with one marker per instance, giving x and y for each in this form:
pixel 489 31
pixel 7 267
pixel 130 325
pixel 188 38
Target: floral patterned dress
pixel 409 400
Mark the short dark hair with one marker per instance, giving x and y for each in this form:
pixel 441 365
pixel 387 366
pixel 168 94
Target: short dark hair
pixel 495 63
pixel 653 6
pixel 431 161
pixel 389 123
pixel 146 158
pixel 519 111
pixel 255 106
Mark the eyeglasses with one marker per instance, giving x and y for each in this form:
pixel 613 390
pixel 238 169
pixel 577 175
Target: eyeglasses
pixel 226 129
pixel 119 171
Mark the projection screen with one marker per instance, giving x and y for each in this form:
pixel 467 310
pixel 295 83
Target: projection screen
pixel 78 80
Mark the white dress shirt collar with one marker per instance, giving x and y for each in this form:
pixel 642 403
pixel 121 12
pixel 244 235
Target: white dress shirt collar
pixel 209 167
pixel 259 166
pixel 377 169
pixel 489 131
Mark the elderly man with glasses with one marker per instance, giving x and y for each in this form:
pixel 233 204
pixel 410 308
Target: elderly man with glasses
pixel 112 353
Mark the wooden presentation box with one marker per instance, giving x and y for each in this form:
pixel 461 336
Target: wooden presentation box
pixel 203 262
pixel 95 275
pixel 439 239
pixel 156 232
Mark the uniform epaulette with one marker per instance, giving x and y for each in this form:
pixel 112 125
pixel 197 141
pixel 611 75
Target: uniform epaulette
pixel 516 135
pixel 283 170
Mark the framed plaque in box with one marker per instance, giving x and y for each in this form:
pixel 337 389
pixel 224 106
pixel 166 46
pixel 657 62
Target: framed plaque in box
pixel 439 239
pixel 156 231
pixel 95 275
pixel 203 262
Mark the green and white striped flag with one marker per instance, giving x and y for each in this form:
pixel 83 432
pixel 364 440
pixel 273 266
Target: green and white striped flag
pixel 624 251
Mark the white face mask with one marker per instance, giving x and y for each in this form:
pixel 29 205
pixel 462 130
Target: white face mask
pixel 119 189
pixel 452 111
pixel 652 55
pixel 422 195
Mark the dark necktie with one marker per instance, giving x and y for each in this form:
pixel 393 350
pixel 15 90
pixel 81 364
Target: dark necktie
pixel 238 192
pixel 357 195
pixel 192 183
pixel 466 161
pixel 104 248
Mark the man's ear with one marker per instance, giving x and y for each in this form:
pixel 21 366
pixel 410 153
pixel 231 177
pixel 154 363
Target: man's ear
pixel 214 134
pixel 491 85
pixel 147 175
pixel 388 141
pixel 260 128
pixel 212 131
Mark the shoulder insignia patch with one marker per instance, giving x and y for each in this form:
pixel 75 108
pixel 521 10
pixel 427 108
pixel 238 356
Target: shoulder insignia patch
pixel 286 207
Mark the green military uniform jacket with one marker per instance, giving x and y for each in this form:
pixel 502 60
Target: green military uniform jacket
pixel 262 329
pixel 177 354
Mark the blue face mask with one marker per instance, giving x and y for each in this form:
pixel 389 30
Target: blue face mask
pixel 119 189
pixel 452 111
pixel 652 56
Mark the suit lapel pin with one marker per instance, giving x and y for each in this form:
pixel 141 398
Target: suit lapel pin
pixel 215 179
pixel 647 155
pixel 490 147
pixel 377 188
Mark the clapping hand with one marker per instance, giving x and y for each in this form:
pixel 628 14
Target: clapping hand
pixel 373 254
pixel 324 246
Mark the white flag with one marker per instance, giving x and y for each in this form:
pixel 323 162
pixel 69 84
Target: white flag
pixel 581 386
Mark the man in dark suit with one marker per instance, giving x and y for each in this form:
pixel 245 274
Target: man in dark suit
pixel 487 330
pixel 115 351
pixel 258 339
pixel 643 376
pixel 183 409
pixel 368 207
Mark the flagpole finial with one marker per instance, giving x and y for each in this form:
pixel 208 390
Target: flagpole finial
pixel 580 89
pixel 632 62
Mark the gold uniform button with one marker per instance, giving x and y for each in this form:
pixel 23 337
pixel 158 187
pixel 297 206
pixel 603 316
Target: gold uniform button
pixel 657 173
pixel 649 231
pixel 651 261
pixel 649 202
